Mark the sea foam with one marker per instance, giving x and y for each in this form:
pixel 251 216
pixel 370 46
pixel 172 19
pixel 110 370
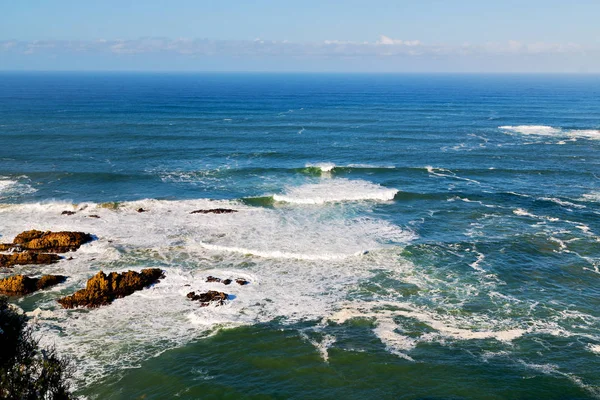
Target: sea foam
pixel 543 130
pixel 296 260
pixel 12 188
pixel 336 190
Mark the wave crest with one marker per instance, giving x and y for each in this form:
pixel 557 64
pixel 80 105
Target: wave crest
pixel 335 191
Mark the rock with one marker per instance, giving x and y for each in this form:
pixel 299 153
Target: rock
pixel 6 246
pixel 141 210
pixel 102 289
pixel 214 211
pixel 93 216
pixel 26 258
pixel 20 285
pixel 67 213
pixel 209 297
pixel 215 279
pixel 51 242
pixel 241 281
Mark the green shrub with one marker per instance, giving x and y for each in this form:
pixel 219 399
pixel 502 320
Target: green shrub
pixel 26 370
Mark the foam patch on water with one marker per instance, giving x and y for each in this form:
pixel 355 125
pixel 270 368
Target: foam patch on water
pixel 446 173
pixel 305 265
pixel 14 188
pixel 524 213
pixel 445 326
pixel 324 167
pixel 594 348
pixel 563 203
pixel 300 264
pixel 593 197
pixel 543 130
pixel 336 190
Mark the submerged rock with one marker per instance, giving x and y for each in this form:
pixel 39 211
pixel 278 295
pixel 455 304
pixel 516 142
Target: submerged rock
pixel 241 281
pixel 20 285
pixel 214 211
pixel 102 289
pixel 141 210
pixel 26 258
pixel 212 296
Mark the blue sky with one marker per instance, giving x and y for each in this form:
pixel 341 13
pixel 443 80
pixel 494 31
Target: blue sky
pixel 264 35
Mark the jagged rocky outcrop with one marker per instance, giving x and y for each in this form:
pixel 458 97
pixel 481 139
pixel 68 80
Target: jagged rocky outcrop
pixel 102 289
pixel 214 211
pixel 26 258
pixel 20 285
pixel 31 247
pixel 212 296
pixel 50 242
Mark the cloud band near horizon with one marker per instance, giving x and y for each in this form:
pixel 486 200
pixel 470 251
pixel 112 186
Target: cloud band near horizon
pixel 384 47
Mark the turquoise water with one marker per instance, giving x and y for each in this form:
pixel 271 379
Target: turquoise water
pixel 405 236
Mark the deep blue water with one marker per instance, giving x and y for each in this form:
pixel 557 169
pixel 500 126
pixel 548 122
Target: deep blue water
pixel 478 278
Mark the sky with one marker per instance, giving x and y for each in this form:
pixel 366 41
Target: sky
pixel 313 36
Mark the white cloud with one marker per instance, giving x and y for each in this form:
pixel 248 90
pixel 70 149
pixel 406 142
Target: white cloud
pixel 384 47
pixel 386 40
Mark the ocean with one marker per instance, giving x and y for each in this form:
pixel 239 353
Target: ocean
pixel 404 236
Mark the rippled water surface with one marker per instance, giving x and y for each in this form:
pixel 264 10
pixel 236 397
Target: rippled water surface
pixel 404 236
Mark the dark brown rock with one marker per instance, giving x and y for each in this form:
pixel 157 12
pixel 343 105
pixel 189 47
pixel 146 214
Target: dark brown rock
pixel 102 289
pixel 67 213
pixel 6 246
pixel 51 242
pixel 93 216
pixel 218 280
pixel 212 296
pixel 20 285
pixel 141 210
pixel 214 211
pixel 241 281
pixel 26 258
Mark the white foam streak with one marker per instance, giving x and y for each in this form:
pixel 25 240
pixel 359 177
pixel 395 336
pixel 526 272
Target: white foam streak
pixel 336 190
pixel 11 188
pixel 295 258
pixel 324 167
pixel 594 348
pixel 543 130
pixel 280 254
pixel 446 173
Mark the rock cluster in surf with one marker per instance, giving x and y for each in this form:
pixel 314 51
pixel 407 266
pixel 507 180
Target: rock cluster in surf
pixel 212 296
pixel 20 285
pixel 239 281
pixel 102 289
pixel 214 211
